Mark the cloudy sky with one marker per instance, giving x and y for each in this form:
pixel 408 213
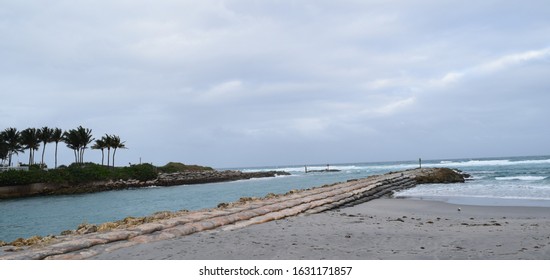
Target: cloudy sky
pixel 250 83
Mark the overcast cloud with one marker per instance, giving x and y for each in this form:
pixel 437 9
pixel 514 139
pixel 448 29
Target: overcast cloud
pixel 248 83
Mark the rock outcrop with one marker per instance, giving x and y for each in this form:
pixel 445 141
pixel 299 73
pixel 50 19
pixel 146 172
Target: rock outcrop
pixel 439 176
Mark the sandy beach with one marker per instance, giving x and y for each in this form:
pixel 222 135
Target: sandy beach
pixel 380 229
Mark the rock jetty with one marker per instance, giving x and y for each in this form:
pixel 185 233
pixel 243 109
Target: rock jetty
pixel 191 177
pixel 163 179
pixel 91 240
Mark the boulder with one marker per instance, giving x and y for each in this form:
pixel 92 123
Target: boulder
pixel 438 176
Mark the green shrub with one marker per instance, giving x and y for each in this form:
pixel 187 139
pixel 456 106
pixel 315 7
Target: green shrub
pixel 17 177
pixel 141 172
pixel 75 174
pixel 88 172
pixel 173 167
pixel 78 174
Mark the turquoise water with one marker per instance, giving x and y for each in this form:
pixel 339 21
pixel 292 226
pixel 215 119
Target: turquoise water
pixel 503 181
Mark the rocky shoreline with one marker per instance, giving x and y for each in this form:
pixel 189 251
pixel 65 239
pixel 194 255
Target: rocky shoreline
pixel 163 179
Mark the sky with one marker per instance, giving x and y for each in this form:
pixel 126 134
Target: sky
pixel 278 82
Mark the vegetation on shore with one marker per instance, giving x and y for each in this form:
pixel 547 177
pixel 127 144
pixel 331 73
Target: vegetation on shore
pixel 76 173
pixel 13 142
pixel 173 167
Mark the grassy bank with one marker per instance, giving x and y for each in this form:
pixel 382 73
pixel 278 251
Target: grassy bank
pixel 89 172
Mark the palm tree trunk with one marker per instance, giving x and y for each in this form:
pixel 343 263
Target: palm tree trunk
pixel 55 154
pixel 102 156
pixel 108 156
pixel 43 150
pixel 114 152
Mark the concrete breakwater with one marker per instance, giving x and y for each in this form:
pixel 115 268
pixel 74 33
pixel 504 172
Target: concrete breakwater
pixel 226 216
pixel 163 179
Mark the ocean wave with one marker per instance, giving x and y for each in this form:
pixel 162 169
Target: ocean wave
pixel 521 178
pixel 266 169
pixel 493 162
pixel 298 169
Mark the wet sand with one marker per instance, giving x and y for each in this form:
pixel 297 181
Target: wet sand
pixel 380 229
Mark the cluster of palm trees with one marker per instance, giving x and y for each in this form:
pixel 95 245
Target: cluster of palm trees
pixel 13 142
pixel 108 142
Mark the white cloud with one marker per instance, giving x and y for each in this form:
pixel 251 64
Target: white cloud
pixel 486 68
pixel 512 60
pixel 223 92
pixel 238 76
pixel 395 106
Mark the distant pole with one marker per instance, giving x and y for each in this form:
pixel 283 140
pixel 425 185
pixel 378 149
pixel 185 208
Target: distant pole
pixel 139 160
pixel 305 166
pixel 420 162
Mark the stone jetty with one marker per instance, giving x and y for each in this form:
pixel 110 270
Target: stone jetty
pixel 247 211
pixel 194 177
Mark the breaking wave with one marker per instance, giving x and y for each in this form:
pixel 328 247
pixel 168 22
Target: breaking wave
pixel 521 178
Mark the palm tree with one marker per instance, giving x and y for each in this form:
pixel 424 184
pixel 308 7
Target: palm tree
pixel 4 151
pixel 11 138
pixel 45 135
pixel 70 138
pixel 108 139
pixel 116 144
pixel 78 140
pixel 57 136
pixel 85 136
pixel 100 144
pixel 30 140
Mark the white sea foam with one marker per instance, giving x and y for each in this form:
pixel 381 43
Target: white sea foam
pixel 297 169
pixel 496 162
pixel 521 178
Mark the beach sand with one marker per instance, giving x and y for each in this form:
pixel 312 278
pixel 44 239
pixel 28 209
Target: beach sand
pixel 380 229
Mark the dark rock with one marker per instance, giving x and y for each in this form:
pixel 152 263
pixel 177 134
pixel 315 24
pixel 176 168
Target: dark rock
pixel 223 205
pixel 324 170
pixel 438 176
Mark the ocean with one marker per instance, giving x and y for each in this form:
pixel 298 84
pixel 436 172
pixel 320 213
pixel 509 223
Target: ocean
pixel 512 181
